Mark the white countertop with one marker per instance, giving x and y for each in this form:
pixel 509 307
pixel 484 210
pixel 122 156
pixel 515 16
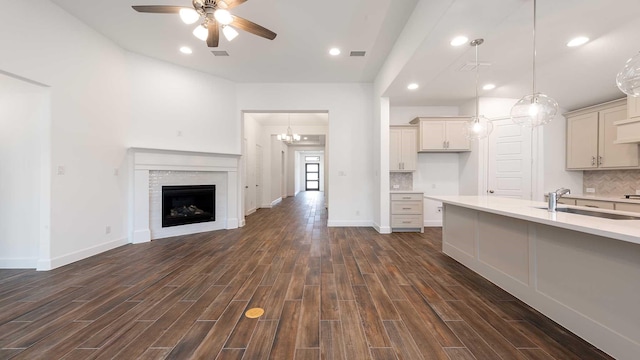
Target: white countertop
pixel 625 230
pixel 405 192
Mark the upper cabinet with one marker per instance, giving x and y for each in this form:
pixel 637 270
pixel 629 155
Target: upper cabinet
pixel 633 107
pixel 403 148
pixel 628 130
pixel 591 139
pixel 442 134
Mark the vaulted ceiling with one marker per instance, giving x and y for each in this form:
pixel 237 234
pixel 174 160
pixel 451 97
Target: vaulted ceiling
pixel 306 30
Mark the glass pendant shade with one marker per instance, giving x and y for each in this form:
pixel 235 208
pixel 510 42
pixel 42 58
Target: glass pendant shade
pixel 201 33
pixel 628 79
pixel 189 16
pixel 229 32
pixel 478 127
pixel 534 110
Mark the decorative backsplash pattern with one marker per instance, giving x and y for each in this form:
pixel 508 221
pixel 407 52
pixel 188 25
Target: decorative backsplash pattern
pixel 612 182
pixel 403 179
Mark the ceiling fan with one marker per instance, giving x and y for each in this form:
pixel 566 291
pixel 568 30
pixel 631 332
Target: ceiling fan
pixel 212 12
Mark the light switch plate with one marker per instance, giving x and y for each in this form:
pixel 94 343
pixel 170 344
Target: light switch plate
pixel 591 190
pixel 396 186
pixel 637 192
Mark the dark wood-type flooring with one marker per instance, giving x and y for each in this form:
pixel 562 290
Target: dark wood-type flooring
pixel 328 293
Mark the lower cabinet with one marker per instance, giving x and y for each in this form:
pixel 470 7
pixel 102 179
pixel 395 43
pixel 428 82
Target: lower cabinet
pixel 595 204
pixel 406 212
pixel 628 207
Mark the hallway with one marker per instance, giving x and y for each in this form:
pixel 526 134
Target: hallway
pixel 330 293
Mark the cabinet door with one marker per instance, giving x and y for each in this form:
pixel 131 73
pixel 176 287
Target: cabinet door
pixel 409 149
pixel 628 207
pixel 582 141
pixel 633 107
pixel 456 139
pixel 595 204
pixel 395 139
pixel 432 135
pixel 610 154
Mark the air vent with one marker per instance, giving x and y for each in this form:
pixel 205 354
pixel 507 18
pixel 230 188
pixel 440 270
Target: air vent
pixel 220 53
pixel 357 53
pixel 471 66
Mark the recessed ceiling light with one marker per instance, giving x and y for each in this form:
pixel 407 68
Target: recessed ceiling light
pixel 459 40
pixel 489 87
pixel 413 86
pixel 580 40
pixel 305 138
pixel 334 51
pixel 186 50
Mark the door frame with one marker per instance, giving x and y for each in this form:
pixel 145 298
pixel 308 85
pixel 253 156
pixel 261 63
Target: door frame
pixel 306 173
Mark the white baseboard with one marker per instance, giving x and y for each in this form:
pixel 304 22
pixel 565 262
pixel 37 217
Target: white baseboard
pixel 276 202
pixel 18 263
pixel 250 211
pixel 433 223
pixel 232 223
pixel 382 229
pixel 50 264
pixel 350 223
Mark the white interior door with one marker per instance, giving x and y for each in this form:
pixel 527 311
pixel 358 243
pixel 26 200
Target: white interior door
pixel 258 176
pixel 509 165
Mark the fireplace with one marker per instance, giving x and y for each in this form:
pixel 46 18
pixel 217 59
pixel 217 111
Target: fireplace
pixel 188 204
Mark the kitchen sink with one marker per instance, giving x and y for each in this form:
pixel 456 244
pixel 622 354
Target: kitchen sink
pixel 595 213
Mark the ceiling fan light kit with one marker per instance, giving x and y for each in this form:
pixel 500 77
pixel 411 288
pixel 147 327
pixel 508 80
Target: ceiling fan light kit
pixel 478 127
pixel 535 109
pixel 214 13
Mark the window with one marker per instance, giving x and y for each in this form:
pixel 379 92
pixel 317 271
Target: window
pixel 311 158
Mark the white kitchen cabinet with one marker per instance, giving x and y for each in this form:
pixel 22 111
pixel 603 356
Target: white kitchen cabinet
pixel 595 204
pixel 403 148
pixel 407 211
pixel 442 134
pixel 591 136
pixel 627 207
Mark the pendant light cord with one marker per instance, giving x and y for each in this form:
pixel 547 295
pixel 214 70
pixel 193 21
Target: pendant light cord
pixel 477 76
pixel 534 48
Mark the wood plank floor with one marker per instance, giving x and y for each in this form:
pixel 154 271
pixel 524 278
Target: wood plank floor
pixel 328 293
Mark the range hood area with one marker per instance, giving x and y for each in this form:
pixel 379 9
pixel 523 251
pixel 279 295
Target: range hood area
pixel 628 130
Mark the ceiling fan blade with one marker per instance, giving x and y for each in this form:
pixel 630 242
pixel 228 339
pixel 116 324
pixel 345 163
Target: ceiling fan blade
pixel 252 27
pixel 229 4
pixel 214 34
pixel 158 9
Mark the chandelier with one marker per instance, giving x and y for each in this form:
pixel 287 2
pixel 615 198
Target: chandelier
pixel 289 137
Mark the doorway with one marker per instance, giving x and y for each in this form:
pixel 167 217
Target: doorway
pixel 510 162
pixel 312 176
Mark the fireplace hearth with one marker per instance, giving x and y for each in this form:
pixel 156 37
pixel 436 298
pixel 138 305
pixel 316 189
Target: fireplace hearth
pixel 188 204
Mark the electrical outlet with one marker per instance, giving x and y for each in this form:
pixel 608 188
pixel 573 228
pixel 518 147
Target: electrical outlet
pixel 637 192
pixel 116 172
pixel 107 230
pixel 357 212
pixel 591 190
pixel 179 133
pixel 396 186
pixel 61 170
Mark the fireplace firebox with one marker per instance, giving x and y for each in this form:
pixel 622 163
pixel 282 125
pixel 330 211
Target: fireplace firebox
pixel 190 204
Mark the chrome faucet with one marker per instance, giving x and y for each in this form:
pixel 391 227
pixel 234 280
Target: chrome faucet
pixel 553 198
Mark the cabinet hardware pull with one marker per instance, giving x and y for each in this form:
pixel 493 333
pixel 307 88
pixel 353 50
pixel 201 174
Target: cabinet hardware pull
pixel 600 160
pixel 406 208
pixel 406 197
pixel 491 191
pixel 592 206
pixel 593 160
pixel 406 222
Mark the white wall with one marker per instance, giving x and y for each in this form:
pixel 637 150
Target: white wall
pixel 181 109
pixel 104 100
pixel 350 134
pixel 24 137
pixel 401 115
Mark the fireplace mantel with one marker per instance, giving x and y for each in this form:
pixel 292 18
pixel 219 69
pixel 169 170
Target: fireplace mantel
pixel 144 160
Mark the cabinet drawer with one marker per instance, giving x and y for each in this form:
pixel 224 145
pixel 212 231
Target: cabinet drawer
pixel 628 207
pixel 406 207
pixel 595 204
pixel 406 196
pixel 406 221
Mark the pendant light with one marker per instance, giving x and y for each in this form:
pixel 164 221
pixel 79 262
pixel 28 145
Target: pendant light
pixel 536 108
pixel 289 137
pixel 628 79
pixel 478 127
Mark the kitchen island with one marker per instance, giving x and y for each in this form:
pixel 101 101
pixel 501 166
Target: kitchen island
pixel 581 271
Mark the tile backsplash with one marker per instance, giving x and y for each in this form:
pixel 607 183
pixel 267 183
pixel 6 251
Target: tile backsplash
pixel 404 180
pixel 612 182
